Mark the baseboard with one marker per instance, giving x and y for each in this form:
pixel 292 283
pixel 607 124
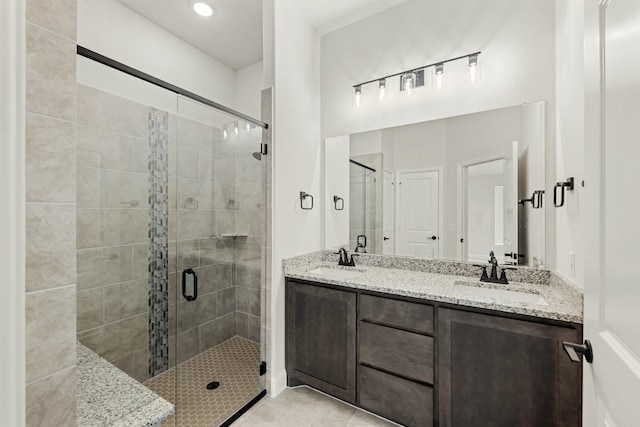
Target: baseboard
pixel 278 383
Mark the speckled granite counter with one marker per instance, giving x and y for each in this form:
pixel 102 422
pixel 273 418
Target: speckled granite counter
pixel 564 301
pixel 109 397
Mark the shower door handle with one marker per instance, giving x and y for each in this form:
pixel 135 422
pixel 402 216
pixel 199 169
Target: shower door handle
pixel 184 284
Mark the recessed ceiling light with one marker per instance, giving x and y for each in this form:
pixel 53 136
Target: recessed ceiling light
pixel 202 8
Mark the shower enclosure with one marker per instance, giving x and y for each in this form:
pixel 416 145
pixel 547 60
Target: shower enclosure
pixel 363 208
pixel 171 234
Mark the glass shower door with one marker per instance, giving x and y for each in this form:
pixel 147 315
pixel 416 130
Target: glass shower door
pixel 362 208
pixel 218 214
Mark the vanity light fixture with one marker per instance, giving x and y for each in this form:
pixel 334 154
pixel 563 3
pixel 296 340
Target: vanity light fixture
pixel 409 82
pixel 382 89
pixel 473 67
pixel 202 8
pixel 438 80
pixel 357 96
pixel 414 78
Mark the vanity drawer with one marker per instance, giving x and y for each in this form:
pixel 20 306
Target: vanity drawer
pixel 400 400
pixel 400 352
pixel 400 314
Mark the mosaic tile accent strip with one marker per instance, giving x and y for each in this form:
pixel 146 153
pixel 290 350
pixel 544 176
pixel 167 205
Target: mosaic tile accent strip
pixel 158 250
pixel 234 363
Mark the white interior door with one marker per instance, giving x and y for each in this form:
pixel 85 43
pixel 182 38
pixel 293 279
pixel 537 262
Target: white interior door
pixel 387 213
pixel 418 213
pixel 612 277
pixel 510 195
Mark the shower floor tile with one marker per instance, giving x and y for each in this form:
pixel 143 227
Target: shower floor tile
pixel 234 364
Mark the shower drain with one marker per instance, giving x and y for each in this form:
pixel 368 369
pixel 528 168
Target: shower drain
pixel 213 385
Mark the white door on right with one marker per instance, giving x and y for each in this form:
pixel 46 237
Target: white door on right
pixel 387 213
pixel 418 213
pixel 612 154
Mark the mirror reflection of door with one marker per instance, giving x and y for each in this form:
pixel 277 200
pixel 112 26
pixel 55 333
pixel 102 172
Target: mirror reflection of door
pixel 510 205
pixel 489 208
pixel 388 196
pixel 484 213
pixel 418 213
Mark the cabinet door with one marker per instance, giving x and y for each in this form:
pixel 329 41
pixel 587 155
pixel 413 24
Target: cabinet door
pixel 321 339
pixel 496 371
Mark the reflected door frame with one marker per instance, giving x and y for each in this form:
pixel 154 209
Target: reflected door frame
pixel 462 215
pixel 398 202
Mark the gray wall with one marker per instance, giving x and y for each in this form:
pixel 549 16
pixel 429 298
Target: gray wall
pixel 50 213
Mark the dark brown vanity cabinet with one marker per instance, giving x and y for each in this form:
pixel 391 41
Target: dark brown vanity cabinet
pixel 321 339
pixel 497 371
pixel 423 363
pixel 395 359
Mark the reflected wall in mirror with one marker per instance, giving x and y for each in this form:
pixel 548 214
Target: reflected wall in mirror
pixel 455 188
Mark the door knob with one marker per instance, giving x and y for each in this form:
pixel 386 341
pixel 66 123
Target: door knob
pixel 574 349
pixel 434 238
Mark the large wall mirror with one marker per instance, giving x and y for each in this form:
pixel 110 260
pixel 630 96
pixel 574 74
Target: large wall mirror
pixel 454 188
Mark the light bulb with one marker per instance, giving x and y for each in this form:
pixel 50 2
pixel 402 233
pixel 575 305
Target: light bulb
pixel 473 67
pixel 225 134
pixel 357 96
pixel 382 89
pixel 202 8
pixel 247 127
pixel 409 82
pixel 236 129
pixel 439 76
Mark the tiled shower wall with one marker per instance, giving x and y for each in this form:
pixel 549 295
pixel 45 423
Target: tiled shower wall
pixel 213 190
pixel 112 228
pixel 50 212
pixel 250 220
pixel 205 184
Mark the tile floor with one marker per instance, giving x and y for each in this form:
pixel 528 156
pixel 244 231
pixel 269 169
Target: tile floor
pixel 303 406
pixel 234 363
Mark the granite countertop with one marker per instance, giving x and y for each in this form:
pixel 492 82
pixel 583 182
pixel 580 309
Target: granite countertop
pixel 109 397
pixel 563 301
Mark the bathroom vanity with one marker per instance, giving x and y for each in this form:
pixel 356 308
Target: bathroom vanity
pixel 424 348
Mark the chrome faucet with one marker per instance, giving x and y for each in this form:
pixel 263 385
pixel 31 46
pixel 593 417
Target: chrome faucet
pixel 344 258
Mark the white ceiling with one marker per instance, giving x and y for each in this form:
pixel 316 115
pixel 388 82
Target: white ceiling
pixel 329 15
pixel 234 34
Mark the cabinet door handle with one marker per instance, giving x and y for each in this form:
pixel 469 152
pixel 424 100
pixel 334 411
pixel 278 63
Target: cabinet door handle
pixel 574 349
pixel 194 296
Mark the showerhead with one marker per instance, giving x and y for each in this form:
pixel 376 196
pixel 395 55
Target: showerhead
pixel 257 156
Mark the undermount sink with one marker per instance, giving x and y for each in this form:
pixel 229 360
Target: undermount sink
pixel 495 295
pixel 337 273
